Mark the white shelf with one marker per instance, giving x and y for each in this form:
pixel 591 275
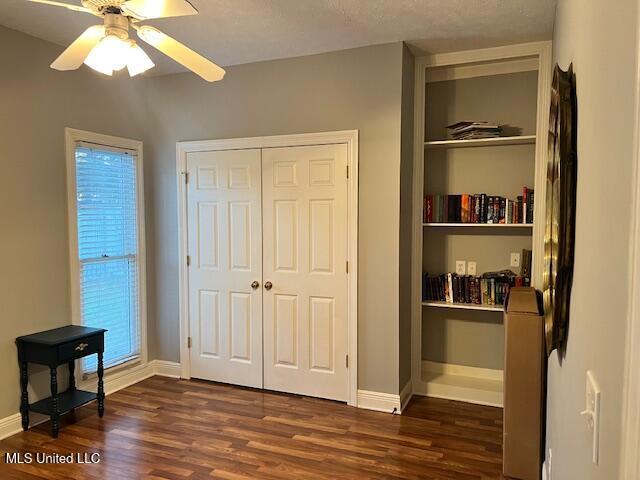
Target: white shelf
pixel 479 225
pixel 464 306
pixel 465 384
pixel 482 142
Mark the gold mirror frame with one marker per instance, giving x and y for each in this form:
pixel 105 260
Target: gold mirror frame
pixel 560 212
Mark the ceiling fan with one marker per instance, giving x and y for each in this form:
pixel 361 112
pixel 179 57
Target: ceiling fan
pixel 108 47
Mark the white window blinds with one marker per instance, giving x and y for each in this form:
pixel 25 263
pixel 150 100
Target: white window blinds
pixel 107 221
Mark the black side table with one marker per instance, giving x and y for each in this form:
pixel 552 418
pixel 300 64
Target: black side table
pixel 53 348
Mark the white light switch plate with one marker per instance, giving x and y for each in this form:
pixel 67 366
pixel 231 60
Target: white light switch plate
pixel 471 268
pixel 461 267
pixel 592 413
pixel 515 259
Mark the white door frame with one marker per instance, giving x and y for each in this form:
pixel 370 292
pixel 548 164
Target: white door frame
pixel 629 458
pixel 348 137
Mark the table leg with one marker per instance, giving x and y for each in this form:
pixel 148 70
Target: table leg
pixel 72 378
pixel 72 375
pixel 100 385
pixel 55 414
pixel 24 398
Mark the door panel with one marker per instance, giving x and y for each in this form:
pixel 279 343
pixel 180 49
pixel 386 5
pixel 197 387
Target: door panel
pixel 209 321
pixel 322 319
pixel 286 236
pixel 286 326
pixel 240 236
pixel 225 245
pixel 321 234
pixel 208 240
pixel 305 253
pixel 240 326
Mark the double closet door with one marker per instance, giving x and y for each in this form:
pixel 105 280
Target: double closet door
pixel 267 238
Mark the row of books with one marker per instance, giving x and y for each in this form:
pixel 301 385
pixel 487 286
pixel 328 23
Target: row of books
pixel 487 289
pixel 474 130
pixel 479 208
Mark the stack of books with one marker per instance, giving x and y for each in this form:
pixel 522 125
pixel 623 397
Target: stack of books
pixel 474 130
pixel 479 208
pixel 488 289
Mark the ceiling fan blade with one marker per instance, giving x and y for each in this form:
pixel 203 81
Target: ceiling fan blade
pixel 181 54
pixel 147 9
pixel 75 8
pixel 77 52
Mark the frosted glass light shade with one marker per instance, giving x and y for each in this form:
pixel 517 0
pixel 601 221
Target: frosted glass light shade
pixel 109 55
pixel 113 54
pixel 138 61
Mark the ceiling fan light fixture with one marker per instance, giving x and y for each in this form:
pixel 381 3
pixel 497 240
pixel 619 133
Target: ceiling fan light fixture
pixel 107 48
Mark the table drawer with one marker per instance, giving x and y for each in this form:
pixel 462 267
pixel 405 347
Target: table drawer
pixel 80 348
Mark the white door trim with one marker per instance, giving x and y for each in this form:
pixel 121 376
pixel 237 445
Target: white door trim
pixel 629 459
pixel 349 137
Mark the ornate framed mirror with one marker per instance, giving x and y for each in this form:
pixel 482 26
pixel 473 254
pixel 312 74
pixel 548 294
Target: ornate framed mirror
pixel 560 209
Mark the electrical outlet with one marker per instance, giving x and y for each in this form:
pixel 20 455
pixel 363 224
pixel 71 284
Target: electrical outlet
pixel 461 267
pixel 515 259
pixel 471 268
pixel 592 414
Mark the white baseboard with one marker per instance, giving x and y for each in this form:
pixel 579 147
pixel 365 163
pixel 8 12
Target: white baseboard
pixel 405 395
pixel 123 379
pixel 166 369
pixel 10 425
pixel 119 379
pixel 380 402
pixel 112 383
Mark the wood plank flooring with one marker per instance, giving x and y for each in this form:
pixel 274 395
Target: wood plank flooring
pixel 165 428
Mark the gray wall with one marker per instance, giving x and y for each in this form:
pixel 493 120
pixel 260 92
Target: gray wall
pixel 37 104
pixel 599 37
pixel 406 220
pixel 352 89
pixel 509 99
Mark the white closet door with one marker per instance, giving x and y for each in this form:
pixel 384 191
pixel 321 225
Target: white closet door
pixel 225 246
pixel 305 253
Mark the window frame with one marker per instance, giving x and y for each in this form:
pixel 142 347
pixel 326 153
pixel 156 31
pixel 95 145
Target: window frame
pixel 72 137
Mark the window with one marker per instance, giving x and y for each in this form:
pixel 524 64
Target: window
pixel 106 261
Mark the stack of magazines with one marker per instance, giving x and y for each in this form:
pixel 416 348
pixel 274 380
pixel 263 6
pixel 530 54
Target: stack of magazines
pixel 474 130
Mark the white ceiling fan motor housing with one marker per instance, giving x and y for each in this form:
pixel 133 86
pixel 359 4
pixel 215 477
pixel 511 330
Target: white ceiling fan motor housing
pixel 117 25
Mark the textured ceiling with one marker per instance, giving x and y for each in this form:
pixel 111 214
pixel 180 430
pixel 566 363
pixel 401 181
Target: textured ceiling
pixel 232 32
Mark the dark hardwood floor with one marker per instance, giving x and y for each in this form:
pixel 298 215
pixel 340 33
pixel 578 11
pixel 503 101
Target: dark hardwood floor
pixel 164 428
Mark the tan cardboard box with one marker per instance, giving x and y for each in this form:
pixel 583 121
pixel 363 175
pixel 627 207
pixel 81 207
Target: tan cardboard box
pixel 524 385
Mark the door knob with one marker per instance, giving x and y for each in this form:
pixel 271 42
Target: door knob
pixel 268 285
pixel 255 284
